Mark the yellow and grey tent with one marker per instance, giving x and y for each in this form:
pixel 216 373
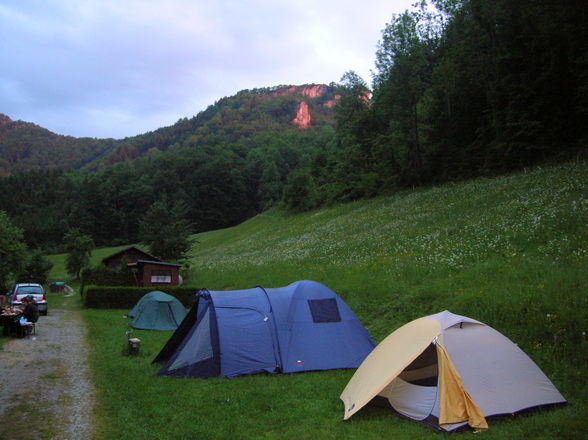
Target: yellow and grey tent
pixel 449 371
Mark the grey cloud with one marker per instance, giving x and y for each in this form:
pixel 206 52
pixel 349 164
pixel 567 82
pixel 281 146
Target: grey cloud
pixel 113 69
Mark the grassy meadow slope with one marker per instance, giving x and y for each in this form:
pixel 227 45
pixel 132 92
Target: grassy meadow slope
pixel 510 251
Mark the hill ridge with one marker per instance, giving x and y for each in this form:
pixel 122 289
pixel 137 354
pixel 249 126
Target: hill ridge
pixel 26 146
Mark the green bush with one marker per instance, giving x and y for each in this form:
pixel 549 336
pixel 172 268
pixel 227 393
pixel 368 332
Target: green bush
pixel 105 276
pixel 116 297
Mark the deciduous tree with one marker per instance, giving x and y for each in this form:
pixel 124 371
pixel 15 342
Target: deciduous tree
pixel 36 269
pixel 79 247
pixel 165 230
pixel 12 251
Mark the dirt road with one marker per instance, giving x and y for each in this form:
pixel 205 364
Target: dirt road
pixel 45 386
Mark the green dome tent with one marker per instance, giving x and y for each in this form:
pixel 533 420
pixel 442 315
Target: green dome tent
pixel 157 311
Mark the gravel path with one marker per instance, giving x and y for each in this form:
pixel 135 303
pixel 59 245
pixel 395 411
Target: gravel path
pixel 45 385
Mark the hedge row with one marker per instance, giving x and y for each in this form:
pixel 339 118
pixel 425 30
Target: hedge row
pixel 117 297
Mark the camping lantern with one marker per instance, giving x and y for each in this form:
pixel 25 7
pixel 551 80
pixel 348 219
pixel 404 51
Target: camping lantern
pixel 133 345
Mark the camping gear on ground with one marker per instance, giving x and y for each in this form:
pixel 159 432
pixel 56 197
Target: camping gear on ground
pixel 448 371
pixel 157 311
pixel 57 286
pixel 133 345
pixel 301 327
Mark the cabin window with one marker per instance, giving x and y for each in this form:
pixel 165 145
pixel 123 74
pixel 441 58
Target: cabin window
pixel 324 310
pixel 161 276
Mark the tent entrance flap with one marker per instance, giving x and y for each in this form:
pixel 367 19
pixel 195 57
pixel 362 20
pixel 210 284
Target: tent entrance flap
pixel 198 353
pixel 456 405
pixel 176 339
pixel 413 392
pixel 389 359
pixel 200 345
pixel 413 401
pixel 423 371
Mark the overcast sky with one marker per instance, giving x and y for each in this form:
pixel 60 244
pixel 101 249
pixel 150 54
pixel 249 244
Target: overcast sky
pixel 116 68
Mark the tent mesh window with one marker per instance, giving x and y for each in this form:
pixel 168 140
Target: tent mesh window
pixel 423 370
pixel 324 310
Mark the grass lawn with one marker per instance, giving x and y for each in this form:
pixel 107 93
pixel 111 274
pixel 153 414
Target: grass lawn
pixel 510 251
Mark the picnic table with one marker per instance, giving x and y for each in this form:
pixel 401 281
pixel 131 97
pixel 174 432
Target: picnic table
pixel 10 321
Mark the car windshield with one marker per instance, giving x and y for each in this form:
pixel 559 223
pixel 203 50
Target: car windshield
pixel 29 289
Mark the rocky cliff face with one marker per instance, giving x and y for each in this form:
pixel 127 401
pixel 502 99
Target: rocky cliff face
pixel 365 97
pixel 331 102
pixel 308 91
pixel 302 118
pixel 308 94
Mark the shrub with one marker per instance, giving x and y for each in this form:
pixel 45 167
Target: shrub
pixel 105 276
pixel 298 191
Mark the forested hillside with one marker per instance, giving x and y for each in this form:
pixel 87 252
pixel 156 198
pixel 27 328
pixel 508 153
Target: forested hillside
pixel 219 168
pixel 475 87
pixel 238 120
pixel 25 146
pixel 467 88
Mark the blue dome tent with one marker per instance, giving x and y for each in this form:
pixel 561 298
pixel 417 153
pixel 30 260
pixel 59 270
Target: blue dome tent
pixel 301 327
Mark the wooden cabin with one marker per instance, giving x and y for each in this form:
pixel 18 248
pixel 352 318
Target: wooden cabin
pixel 155 273
pixel 122 258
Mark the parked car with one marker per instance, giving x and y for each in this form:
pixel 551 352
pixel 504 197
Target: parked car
pixel 21 290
